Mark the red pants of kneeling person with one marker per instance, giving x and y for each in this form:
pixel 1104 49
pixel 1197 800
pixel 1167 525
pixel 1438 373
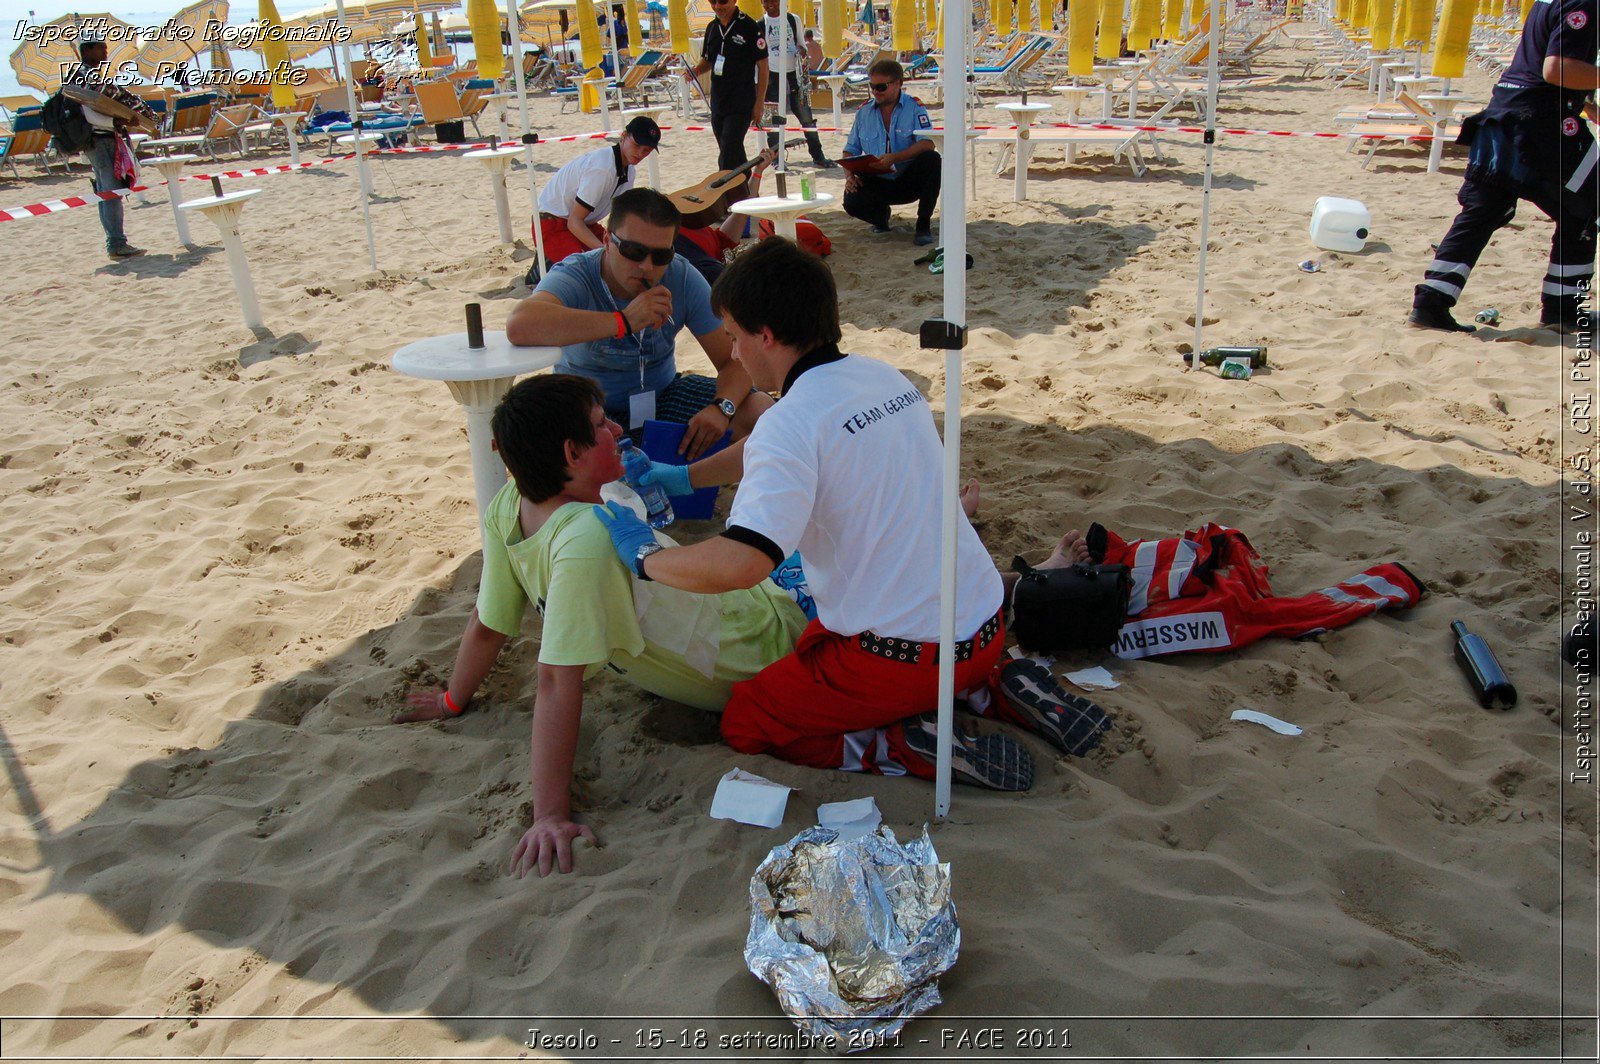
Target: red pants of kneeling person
pixel 559 241
pixel 818 705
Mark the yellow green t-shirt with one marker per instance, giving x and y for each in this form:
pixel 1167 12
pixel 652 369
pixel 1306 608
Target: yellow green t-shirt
pixel 686 647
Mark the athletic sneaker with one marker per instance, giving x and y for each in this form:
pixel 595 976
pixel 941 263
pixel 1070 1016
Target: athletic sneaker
pixel 997 762
pixel 1031 698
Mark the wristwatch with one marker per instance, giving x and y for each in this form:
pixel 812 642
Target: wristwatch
pixel 638 559
pixel 727 408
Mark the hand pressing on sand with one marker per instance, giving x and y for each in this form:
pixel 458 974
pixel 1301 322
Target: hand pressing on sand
pixel 548 844
pixel 427 705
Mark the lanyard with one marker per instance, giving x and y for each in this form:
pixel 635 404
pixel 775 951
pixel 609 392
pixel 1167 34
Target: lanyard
pixel 638 337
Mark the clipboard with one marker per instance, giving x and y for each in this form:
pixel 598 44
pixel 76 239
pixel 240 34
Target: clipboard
pixel 860 164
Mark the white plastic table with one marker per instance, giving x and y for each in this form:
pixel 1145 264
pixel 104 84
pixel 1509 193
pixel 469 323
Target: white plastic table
pixel 835 83
pixel 477 380
pixel 170 167
pixel 496 160
pixel 652 164
pixel 224 213
pixel 500 101
pixel 1075 95
pixel 783 210
pixel 937 136
pixel 1023 114
pixel 1443 106
pixel 289 120
pixel 349 141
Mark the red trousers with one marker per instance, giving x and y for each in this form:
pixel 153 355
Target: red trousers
pixel 559 241
pixel 830 704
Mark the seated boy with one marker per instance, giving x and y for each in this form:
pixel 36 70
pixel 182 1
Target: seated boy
pixel 543 544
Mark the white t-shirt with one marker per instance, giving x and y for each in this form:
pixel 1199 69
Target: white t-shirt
pixel 785 63
pixel 592 178
pixel 847 467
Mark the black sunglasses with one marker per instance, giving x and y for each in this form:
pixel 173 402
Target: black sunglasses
pixel 634 251
pixel 883 86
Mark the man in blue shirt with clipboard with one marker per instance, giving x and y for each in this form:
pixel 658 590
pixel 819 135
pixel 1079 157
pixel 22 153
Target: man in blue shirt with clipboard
pixel 904 169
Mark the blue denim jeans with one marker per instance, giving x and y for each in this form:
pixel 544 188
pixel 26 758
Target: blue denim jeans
pixel 102 155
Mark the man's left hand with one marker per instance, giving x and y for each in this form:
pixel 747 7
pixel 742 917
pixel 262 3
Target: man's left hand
pixel 705 429
pixel 628 533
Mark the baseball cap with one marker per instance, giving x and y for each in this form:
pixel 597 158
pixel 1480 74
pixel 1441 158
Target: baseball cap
pixel 644 131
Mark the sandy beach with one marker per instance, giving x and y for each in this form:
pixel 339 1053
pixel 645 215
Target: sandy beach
pixel 228 557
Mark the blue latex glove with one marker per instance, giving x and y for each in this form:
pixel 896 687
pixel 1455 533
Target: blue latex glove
pixel 628 533
pixel 674 479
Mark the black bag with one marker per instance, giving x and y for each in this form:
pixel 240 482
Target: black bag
pixel 1080 607
pixel 69 130
pixel 450 132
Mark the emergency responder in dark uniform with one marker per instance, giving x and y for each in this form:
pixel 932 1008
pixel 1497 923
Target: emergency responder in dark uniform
pixel 1530 143
pixel 735 52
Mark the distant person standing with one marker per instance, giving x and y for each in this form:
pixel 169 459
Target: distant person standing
pixel 787 64
pixel 735 52
pixel 110 156
pixel 1530 143
pixel 815 60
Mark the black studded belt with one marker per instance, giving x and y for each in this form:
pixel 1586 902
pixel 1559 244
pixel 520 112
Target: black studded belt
pixel 916 653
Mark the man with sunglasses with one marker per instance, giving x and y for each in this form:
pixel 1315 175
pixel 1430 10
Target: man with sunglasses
pixel 907 169
pixel 616 312
pixel 735 52
pixel 574 201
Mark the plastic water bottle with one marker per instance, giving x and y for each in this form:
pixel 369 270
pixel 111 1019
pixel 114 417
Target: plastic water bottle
pixel 634 466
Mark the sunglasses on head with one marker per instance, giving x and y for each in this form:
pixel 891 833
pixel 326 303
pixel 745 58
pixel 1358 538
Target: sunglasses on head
pixel 881 86
pixel 634 251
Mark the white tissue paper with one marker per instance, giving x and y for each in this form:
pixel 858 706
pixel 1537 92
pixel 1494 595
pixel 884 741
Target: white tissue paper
pixel 1095 679
pixel 749 799
pixel 850 819
pixel 1282 727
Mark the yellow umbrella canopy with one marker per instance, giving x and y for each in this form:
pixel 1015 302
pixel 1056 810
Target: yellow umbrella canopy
pixel 181 38
pixel 40 60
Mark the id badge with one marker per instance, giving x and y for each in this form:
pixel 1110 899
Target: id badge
pixel 717 67
pixel 641 408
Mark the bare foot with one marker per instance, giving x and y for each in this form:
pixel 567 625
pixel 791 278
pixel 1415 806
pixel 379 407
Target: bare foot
pixel 969 498
pixel 1072 550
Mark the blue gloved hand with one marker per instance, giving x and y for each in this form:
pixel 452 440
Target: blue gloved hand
pixel 674 479
pixel 628 533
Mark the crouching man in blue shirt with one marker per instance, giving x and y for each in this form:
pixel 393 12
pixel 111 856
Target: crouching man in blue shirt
pixel 907 169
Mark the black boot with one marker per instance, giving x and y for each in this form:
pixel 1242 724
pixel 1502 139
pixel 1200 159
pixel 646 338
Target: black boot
pixel 1430 311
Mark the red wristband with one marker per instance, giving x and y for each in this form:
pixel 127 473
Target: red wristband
pixel 450 705
pixel 622 326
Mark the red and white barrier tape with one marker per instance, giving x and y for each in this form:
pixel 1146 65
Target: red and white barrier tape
pixel 34 210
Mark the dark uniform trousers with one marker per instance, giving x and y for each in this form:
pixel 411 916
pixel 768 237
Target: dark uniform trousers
pixel 730 121
pixel 918 182
pixel 1485 208
pixel 800 106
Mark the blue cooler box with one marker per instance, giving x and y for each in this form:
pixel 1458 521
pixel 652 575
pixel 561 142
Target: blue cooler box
pixel 661 439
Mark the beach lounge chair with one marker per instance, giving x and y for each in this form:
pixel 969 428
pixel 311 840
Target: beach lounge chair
pixel 1009 75
pixel 186 128
pixel 1123 143
pixel 440 103
pixel 30 140
pixel 642 81
pixel 11 105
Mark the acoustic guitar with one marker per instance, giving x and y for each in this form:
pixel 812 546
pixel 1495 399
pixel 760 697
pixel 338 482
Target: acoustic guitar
pixel 708 202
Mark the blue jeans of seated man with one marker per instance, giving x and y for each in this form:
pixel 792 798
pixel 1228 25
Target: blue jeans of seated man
pixel 102 156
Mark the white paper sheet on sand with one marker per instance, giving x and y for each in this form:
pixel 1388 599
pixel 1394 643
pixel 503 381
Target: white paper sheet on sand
pixel 1095 679
pixel 850 819
pixel 1282 727
pixel 749 799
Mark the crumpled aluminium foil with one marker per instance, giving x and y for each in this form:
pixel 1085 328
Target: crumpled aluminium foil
pixel 852 937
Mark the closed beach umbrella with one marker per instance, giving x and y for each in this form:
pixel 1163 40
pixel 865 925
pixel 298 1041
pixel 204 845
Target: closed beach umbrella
pixel 485 22
pixel 1080 39
pixel 678 25
pixel 635 27
pixel 1419 21
pixel 1109 45
pixel 1172 28
pixel 39 62
pixel 1025 15
pixel 1382 24
pixel 1142 27
pixel 903 19
pixel 833 28
pixel 424 52
pixel 589 35
pixel 1000 15
pixel 1455 32
pixel 276 56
